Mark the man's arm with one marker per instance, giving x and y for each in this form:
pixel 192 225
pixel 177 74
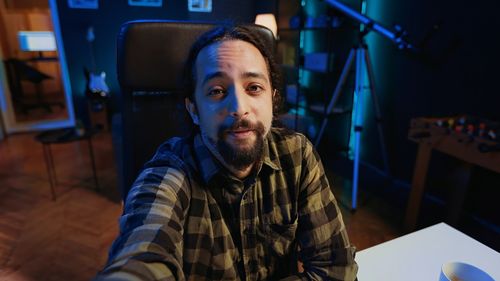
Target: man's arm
pixel 325 251
pixel 150 243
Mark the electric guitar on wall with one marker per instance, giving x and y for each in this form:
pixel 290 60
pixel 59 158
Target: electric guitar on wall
pixel 96 88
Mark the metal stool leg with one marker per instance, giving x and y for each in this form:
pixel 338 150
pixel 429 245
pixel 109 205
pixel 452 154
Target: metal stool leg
pixel 52 165
pixel 49 163
pixel 92 161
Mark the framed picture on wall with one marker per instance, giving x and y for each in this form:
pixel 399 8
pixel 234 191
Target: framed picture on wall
pixel 200 6
pixel 147 3
pixel 83 4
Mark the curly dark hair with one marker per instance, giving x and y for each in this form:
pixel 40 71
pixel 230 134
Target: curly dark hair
pixel 245 33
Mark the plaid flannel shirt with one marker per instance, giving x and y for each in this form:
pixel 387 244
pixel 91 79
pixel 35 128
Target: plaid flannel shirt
pixel 175 227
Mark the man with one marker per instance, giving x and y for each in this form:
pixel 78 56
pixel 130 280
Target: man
pixel 238 199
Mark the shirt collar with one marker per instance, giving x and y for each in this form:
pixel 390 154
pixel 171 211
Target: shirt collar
pixel 270 153
pixel 209 166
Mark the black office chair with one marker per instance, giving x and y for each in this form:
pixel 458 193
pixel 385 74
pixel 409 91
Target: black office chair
pixel 151 57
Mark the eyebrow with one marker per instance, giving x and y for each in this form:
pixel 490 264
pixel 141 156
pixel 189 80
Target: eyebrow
pixel 220 74
pixel 210 76
pixel 255 75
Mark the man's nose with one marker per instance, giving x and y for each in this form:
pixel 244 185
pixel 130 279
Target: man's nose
pixel 238 103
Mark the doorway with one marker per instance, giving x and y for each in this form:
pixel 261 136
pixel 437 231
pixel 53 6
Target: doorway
pixel 34 85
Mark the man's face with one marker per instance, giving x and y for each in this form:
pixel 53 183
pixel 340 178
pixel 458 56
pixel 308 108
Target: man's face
pixel 233 97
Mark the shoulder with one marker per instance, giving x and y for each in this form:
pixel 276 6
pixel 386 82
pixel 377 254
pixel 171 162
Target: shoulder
pixel 171 147
pixel 288 141
pixel 166 174
pixel 164 185
pixel 288 149
pixel 158 181
pixel 176 153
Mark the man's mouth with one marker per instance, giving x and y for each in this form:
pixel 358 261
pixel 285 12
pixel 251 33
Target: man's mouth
pixel 241 133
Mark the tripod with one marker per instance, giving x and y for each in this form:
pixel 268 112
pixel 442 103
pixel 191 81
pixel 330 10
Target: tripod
pixel 360 53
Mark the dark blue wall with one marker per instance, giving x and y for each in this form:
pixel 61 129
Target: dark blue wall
pixel 461 81
pixel 106 22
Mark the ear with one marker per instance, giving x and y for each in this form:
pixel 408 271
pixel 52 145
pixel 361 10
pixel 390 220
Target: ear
pixel 191 108
pixel 276 101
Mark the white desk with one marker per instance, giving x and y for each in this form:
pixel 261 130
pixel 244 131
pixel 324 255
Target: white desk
pixel 419 255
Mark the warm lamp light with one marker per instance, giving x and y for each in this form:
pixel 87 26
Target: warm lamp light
pixel 269 21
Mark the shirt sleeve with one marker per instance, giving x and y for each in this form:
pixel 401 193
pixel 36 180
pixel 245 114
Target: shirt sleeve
pixel 325 249
pixel 150 243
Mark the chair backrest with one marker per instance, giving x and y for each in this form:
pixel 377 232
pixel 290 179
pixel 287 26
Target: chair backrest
pixel 151 56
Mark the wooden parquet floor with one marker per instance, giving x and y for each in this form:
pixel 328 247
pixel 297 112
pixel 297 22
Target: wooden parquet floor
pixel 68 239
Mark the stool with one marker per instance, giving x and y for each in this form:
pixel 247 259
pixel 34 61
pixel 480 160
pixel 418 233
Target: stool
pixel 59 136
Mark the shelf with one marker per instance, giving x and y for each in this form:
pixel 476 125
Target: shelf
pixel 304 29
pixel 320 108
pixel 326 28
pixel 297 68
pixel 313 52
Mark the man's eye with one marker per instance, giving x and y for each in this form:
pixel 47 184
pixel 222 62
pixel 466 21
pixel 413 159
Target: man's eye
pixel 216 92
pixel 255 89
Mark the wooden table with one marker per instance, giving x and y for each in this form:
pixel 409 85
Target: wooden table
pixel 430 137
pixel 419 255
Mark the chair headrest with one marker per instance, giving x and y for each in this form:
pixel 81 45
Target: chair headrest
pixel 151 54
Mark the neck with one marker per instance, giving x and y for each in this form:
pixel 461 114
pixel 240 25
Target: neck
pixel 239 173
pixel 242 174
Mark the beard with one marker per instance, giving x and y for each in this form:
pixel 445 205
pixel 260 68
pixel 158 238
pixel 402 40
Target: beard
pixel 244 156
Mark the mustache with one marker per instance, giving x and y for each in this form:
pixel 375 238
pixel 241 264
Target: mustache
pixel 241 124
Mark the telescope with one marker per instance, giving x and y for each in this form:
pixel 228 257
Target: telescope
pixel 360 60
pixel 398 36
